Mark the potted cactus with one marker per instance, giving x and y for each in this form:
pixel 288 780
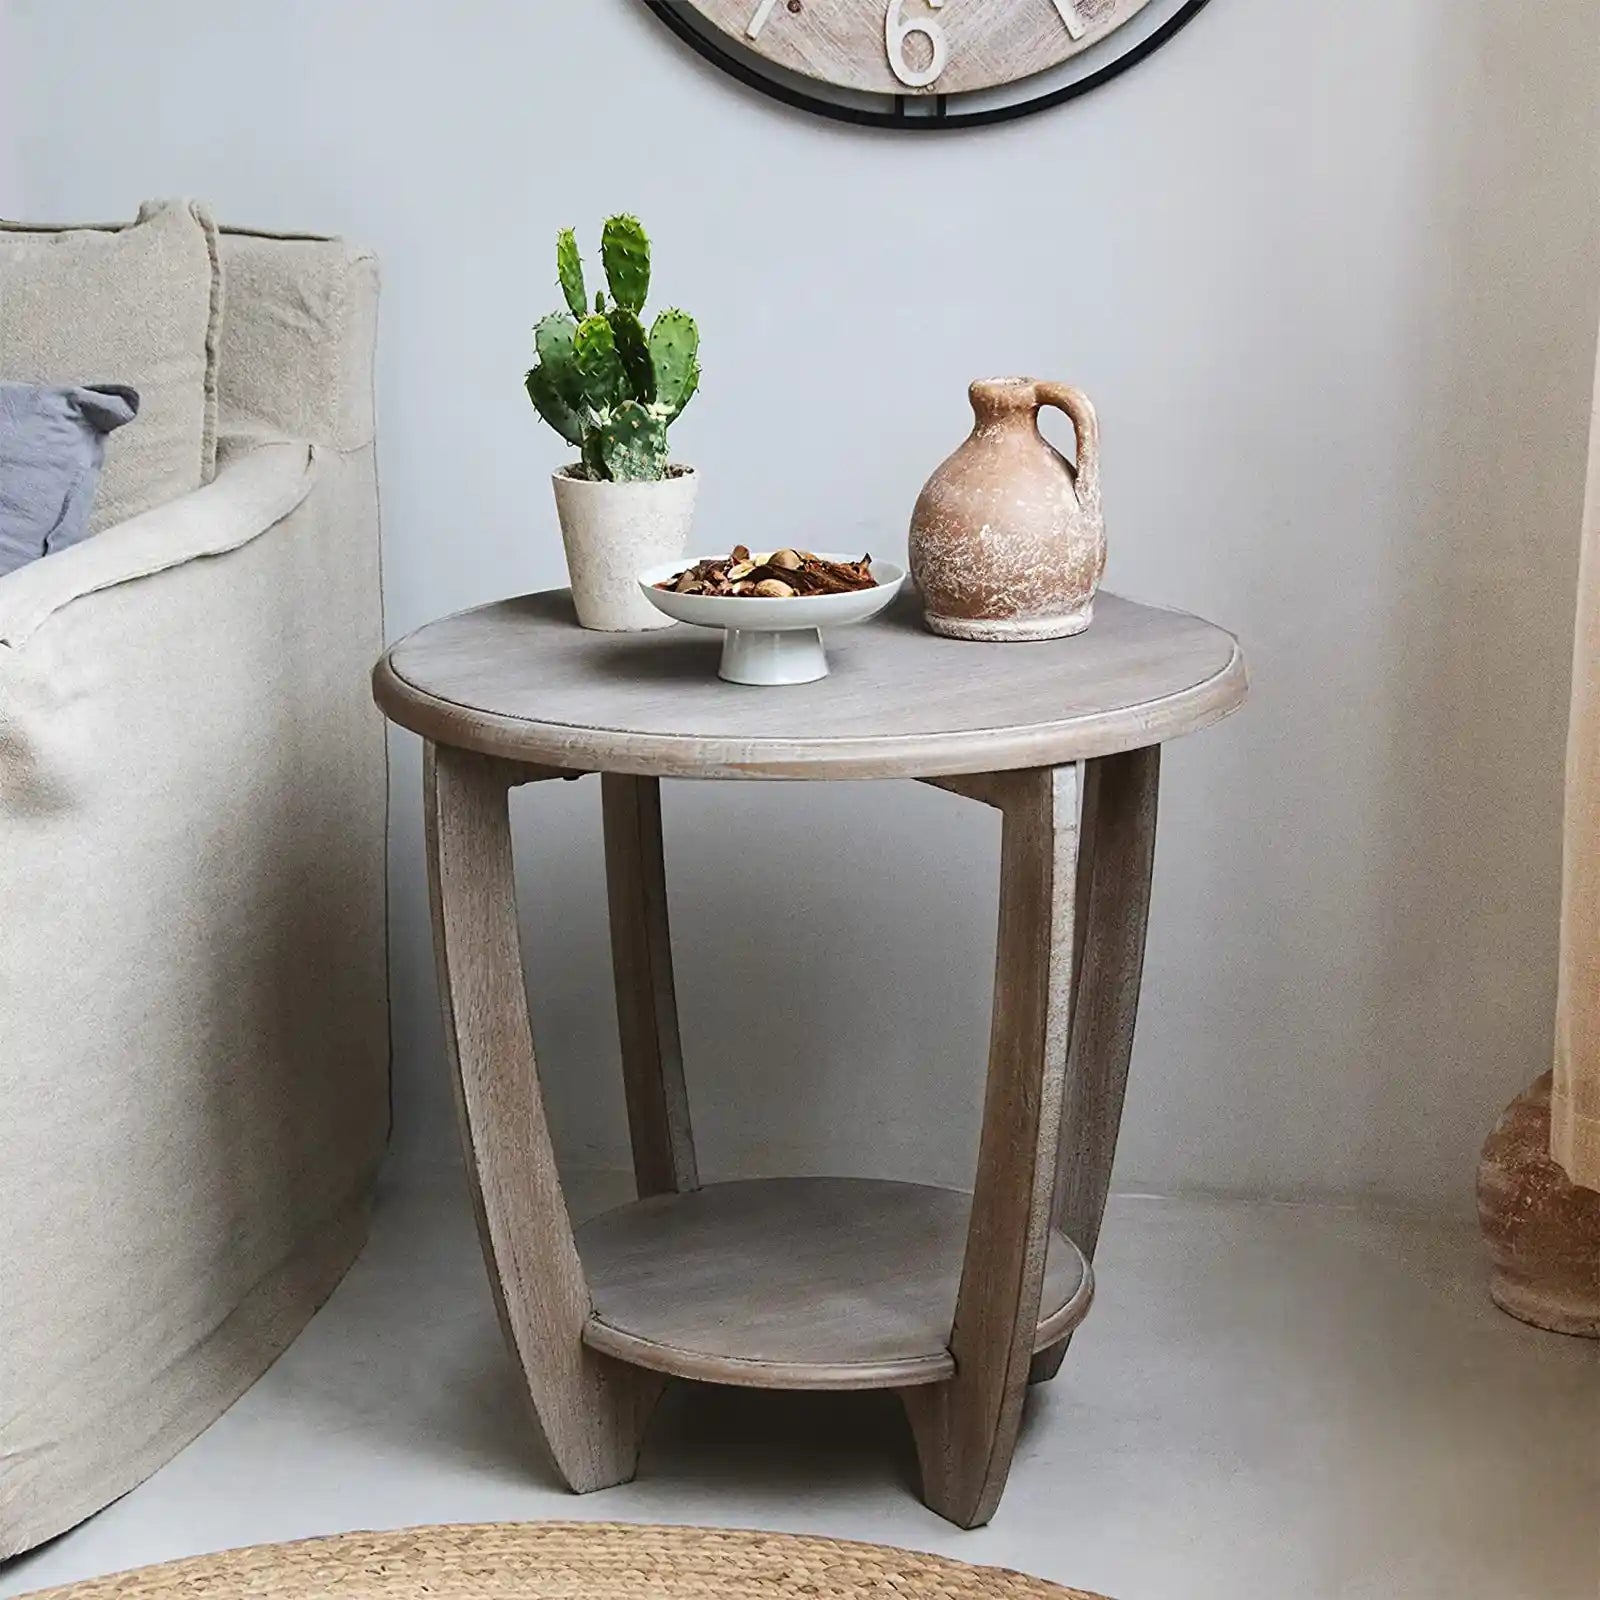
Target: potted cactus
pixel 612 389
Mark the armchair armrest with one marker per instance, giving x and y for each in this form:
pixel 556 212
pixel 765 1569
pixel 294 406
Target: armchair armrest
pixel 252 493
pixel 192 964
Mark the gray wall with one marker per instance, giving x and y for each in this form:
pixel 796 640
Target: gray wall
pixel 10 181
pixel 1328 270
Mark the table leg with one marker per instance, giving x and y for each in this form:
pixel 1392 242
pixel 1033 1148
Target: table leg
pixel 1119 839
pixel 647 1006
pixel 966 1428
pixel 591 1410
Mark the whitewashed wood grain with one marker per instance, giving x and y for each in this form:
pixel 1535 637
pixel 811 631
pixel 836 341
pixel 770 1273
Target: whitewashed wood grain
pixel 647 1005
pixel 798 1283
pixel 592 1411
pixel 1116 863
pixel 966 1428
pixel 987 42
pixel 519 679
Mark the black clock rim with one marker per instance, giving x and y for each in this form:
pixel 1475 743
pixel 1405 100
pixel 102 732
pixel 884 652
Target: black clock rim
pixel 940 121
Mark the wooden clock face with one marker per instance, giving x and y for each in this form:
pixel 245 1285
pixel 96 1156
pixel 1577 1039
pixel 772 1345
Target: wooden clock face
pixel 900 60
pixel 918 46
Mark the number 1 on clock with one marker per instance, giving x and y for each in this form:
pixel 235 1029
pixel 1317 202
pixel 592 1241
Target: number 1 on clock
pixel 1076 26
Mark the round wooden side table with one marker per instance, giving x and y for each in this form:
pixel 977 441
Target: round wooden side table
pixel 954 1301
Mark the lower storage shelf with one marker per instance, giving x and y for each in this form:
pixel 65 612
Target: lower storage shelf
pixel 797 1283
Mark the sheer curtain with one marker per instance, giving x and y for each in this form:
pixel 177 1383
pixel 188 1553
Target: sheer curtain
pixel 1575 1105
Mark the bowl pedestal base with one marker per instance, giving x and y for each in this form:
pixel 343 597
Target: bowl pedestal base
pixel 767 658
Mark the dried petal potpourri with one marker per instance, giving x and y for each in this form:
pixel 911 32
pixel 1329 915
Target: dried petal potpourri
pixel 780 576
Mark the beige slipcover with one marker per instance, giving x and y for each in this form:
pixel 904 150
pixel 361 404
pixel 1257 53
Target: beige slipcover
pixel 193 1010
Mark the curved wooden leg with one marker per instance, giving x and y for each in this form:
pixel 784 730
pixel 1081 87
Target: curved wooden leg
pixel 1119 841
pixel 591 1410
pixel 647 1006
pixel 966 1429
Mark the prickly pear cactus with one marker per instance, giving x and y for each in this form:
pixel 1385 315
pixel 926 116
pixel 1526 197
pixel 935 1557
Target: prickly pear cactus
pixel 601 376
pixel 553 406
pixel 633 348
pixel 675 353
pixel 553 339
pixel 569 269
pixel 625 254
pixel 633 444
pixel 600 381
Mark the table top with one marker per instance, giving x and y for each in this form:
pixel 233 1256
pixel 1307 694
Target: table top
pixel 519 679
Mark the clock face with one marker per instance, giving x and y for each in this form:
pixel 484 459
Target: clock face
pixel 925 62
pixel 918 46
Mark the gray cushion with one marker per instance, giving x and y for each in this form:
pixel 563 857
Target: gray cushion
pixel 52 446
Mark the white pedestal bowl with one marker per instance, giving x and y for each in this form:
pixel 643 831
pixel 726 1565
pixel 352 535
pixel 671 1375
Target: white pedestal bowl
pixel 772 642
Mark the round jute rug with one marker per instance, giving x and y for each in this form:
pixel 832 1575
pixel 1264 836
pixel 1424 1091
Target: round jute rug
pixel 566 1561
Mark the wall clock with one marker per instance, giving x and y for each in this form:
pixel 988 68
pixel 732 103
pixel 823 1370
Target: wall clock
pixel 925 64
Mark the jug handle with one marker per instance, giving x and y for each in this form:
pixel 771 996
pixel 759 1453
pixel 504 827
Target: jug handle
pixel 1086 425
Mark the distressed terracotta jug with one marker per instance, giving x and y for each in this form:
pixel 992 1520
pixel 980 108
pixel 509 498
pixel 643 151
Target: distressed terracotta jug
pixel 1543 1231
pixel 1007 540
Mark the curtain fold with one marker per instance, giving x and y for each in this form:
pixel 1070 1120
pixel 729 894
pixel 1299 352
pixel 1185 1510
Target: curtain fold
pixel 1575 1101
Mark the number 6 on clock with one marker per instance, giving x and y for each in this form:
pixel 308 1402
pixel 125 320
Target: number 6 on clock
pixel 895 33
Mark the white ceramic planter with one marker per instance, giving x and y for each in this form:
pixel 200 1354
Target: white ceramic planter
pixel 612 531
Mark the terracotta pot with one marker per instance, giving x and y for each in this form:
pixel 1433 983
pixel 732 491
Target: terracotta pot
pixel 612 532
pixel 1007 540
pixel 1543 1232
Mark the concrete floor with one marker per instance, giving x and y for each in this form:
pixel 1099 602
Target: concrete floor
pixel 1267 1401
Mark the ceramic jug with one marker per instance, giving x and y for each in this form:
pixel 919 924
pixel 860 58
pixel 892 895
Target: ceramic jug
pixel 1007 540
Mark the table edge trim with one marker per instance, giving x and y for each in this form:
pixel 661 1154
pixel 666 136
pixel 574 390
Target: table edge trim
pixel 580 748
